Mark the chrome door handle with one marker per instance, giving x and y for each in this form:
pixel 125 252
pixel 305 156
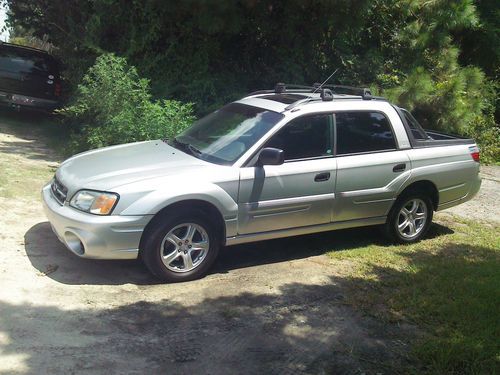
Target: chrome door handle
pixel 325 176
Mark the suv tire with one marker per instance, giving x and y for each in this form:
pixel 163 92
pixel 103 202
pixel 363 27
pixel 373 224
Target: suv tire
pixel 409 218
pixel 181 247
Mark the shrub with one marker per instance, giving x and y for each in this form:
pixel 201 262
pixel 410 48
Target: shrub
pixel 113 105
pixel 487 135
pixel 484 128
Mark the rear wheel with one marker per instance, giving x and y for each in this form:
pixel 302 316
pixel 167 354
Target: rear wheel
pixel 409 218
pixel 181 247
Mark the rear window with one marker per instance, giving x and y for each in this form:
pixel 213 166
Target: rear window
pixel 17 60
pixel 359 132
pixel 416 129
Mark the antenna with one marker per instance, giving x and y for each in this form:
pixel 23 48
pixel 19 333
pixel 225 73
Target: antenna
pixel 325 96
pixel 326 80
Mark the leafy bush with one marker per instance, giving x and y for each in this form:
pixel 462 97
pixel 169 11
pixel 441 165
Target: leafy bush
pixel 487 135
pixel 484 129
pixel 113 105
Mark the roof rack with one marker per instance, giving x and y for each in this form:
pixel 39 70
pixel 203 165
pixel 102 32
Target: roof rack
pixel 281 88
pixel 24 47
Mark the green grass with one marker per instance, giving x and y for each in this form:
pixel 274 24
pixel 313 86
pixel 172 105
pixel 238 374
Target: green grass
pixel 447 285
pixel 25 182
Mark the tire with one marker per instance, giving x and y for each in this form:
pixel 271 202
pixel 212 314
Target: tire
pixel 181 247
pixel 409 218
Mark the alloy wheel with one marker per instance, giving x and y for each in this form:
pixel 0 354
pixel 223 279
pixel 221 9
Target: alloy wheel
pixel 412 218
pixel 184 247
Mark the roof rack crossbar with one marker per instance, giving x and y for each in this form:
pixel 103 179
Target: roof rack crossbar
pixel 364 92
pixel 281 88
pixel 23 47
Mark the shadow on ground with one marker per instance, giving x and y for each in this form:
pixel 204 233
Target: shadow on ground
pixel 50 257
pixel 303 330
pixel 300 247
pixel 298 329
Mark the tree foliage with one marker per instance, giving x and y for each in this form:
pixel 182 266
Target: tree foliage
pixel 419 53
pixel 113 105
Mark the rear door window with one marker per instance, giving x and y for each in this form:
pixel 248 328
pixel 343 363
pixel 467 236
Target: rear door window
pixel 361 132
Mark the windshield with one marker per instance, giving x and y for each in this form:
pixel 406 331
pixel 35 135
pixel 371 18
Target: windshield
pixel 225 135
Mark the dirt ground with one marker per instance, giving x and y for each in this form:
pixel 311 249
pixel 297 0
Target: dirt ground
pixel 485 206
pixel 272 307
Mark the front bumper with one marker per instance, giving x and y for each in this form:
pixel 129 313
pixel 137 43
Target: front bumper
pixel 93 236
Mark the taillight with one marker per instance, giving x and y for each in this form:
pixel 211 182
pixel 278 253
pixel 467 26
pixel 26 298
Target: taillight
pixel 57 89
pixel 474 152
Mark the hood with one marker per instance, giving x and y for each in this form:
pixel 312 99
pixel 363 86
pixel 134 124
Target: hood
pixel 105 168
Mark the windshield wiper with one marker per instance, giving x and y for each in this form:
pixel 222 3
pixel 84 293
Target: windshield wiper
pixel 188 147
pixel 194 150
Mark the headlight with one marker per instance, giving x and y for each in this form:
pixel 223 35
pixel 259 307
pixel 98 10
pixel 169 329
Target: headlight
pixel 94 202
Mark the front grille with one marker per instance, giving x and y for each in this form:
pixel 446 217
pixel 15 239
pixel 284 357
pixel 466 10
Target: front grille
pixel 58 190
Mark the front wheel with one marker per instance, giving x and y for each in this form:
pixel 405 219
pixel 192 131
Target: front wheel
pixel 181 248
pixel 409 218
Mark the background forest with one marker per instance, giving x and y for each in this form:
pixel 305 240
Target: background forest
pixel 438 58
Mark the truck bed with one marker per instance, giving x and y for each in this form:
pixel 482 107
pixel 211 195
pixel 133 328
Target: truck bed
pixel 420 137
pixel 437 139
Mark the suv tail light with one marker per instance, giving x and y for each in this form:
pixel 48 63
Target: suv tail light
pixel 57 89
pixel 474 152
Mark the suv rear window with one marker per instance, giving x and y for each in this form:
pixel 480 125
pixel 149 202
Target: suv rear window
pixel 359 132
pixel 17 60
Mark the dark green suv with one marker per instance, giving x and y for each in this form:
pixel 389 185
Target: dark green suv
pixel 29 78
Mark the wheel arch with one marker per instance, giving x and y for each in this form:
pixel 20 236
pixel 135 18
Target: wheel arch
pixel 188 204
pixel 424 186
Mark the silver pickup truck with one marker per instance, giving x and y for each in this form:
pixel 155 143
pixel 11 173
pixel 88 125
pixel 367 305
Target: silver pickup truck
pixel 276 163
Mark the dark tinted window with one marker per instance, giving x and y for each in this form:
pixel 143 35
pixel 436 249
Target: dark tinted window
pixel 23 60
pixel 363 132
pixel 305 137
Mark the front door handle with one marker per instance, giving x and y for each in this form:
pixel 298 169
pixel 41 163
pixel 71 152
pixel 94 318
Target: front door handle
pixel 325 176
pixel 399 168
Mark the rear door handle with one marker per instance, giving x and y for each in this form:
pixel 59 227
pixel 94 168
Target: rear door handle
pixel 399 168
pixel 325 176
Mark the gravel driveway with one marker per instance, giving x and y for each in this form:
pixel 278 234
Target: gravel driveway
pixel 272 307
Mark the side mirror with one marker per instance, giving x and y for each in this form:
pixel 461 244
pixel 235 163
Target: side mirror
pixel 271 156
